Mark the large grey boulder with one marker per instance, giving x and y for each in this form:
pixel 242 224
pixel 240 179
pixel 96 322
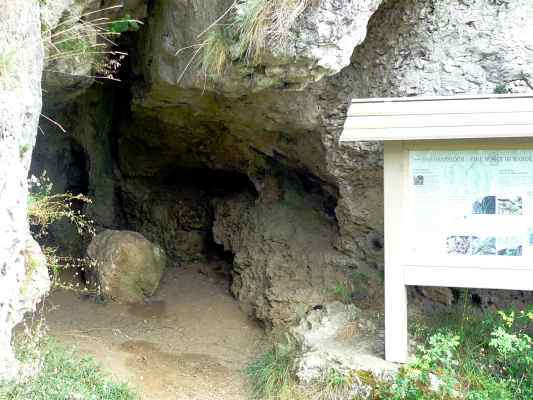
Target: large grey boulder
pixel 128 266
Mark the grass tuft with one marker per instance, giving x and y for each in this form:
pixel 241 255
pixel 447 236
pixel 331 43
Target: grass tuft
pixel 272 374
pixel 334 385
pixel 252 27
pixel 216 54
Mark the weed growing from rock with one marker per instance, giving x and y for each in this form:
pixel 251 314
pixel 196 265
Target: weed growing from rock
pixel 466 356
pixel 82 44
pixel 250 27
pixel 46 208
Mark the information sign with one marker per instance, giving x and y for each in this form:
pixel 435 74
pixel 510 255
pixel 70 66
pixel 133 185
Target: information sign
pixel 471 206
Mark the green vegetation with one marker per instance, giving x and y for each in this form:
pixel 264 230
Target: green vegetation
pixel 252 26
pixel 334 385
pixel 24 149
pixel 343 292
pixel 469 355
pixel 272 374
pixel 44 209
pixel 354 284
pixel 124 25
pixel 501 88
pixel 64 375
pixel 216 54
pixel 475 357
pixel 60 373
pixel 88 40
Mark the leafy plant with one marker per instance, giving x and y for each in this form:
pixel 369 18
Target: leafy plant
pixel 45 208
pixel 501 88
pixel 473 358
pixel 124 25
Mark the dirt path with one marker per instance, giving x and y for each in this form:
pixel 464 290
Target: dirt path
pixel 190 343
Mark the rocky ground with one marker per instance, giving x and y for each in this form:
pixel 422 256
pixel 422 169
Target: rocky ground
pixel 190 342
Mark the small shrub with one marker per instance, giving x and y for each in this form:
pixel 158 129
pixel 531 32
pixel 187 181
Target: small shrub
pixel 45 208
pixel 473 358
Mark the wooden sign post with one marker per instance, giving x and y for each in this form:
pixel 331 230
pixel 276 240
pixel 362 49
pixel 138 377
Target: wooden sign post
pixel 458 179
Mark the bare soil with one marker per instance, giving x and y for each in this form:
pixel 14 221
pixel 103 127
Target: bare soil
pixel 191 342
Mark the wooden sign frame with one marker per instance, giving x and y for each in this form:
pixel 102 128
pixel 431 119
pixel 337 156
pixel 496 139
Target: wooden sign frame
pixel 418 124
pixel 400 272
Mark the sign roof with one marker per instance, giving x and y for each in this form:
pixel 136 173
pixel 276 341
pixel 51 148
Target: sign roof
pixel 453 117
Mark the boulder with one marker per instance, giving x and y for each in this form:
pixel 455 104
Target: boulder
pixel 344 338
pixel 128 266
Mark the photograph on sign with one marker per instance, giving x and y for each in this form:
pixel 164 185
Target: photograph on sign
pixel 470 205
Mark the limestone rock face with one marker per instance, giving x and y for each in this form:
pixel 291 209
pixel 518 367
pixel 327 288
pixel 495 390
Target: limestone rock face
pixel 129 267
pixel 339 336
pixel 424 48
pixel 22 282
pixel 319 44
pixel 447 47
pixel 284 262
pixel 76 49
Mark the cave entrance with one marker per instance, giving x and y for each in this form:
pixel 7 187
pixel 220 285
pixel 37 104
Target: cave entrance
pixel 191 338
pixel 176 210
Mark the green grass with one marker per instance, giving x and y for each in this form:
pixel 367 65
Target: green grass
pixel 334 385
pixel 216 54
pixel 272 374
pixel 250 28
pixel 475 356
pixel 66 376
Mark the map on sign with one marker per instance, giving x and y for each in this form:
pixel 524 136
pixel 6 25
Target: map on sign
pixel 470 205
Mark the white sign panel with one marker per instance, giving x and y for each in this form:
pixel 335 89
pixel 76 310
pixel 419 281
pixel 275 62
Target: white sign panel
pixel 456 215
pixel 470 207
